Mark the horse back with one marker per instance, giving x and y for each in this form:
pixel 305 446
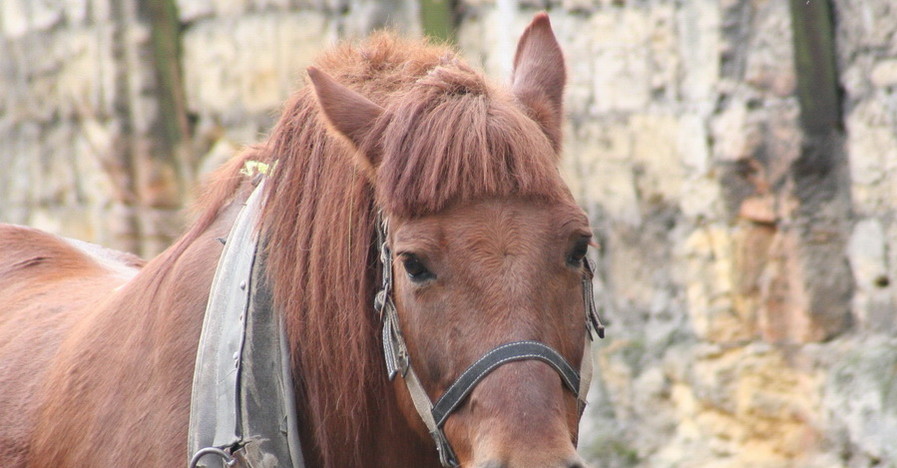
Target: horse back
pixel 46 284
pixel 28 254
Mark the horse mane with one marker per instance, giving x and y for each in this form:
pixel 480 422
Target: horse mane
pixel 447 136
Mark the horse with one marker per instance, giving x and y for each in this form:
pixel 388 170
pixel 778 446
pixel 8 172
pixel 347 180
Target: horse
pixel 97 348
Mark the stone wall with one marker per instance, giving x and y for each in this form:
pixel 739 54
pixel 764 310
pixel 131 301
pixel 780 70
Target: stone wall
pixel 111 110
pixel 735 156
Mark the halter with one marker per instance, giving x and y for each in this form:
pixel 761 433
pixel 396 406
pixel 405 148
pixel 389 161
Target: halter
pixel 435 415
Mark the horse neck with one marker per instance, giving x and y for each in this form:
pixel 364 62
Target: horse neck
pixel 398 443
pixel 134 354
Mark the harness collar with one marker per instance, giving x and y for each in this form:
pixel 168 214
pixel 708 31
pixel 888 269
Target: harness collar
pixel 242 407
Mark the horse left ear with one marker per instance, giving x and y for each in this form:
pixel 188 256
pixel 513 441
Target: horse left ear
pixel 349 113
pixel 539 76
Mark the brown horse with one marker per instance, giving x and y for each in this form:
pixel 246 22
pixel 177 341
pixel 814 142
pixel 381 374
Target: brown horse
pixel 96 357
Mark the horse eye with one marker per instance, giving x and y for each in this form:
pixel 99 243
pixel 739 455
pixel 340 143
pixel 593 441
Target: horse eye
pixel 579 252
pixel 416 269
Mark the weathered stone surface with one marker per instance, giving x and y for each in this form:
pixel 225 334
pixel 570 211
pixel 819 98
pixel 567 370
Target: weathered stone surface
pixel 769 63
pixel 873 302
pixel 191 10
pixel 620 79
pixel 709 265
pixel 884 73
pixel 247 66
pixel 861 400
pixel 81 81
pixel 741 406
pixel 699 38
pixel 364 16
pixel 872 144
pixel 601 168
pixel 698 151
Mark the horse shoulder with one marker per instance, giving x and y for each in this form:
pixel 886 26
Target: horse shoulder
pixel 128 363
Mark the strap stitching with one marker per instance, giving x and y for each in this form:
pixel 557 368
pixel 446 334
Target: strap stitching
pixel 495 350
pixel 508 345
pixel 563 369
pixel 476 381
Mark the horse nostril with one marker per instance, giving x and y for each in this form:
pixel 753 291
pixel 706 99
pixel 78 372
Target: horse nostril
pixel 563 464
pixel 492 464
pixel 576 463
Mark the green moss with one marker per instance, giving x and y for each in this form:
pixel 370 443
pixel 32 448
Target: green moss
pixel 166 50
pixel 438 19
pixel 633 353
pixel 814 60
pixel 612 452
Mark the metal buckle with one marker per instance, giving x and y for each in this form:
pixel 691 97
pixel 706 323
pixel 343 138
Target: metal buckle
pixel 386 260
pixel 394 350
pixel 228 460
pixel 447 456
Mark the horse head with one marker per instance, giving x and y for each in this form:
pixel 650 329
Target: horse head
pixel 484 248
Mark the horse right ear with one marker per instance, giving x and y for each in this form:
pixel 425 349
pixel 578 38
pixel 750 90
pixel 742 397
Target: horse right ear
pixel 539 76
pixel 349 113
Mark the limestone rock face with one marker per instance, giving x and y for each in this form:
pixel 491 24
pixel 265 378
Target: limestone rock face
pixel 111 110
pixel 739 255
pixel 747 260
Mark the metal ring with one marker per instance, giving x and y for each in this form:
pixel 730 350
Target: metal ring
pixel 228 460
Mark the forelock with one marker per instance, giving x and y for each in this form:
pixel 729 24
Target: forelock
pixel 453 137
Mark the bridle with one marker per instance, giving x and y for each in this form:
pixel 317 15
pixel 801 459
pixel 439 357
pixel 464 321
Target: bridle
pixel 435 415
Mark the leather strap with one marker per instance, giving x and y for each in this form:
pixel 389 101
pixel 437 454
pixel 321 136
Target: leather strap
pixel 516 351
pixel 585 376
pixel 242 409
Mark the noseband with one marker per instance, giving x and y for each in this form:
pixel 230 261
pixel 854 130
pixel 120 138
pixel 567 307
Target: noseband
pixel 435 415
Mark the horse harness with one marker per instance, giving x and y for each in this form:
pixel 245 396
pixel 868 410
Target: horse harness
pixel 242 408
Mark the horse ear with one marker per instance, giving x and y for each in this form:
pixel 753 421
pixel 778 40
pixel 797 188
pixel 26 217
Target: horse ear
pixel 539 76
pixel 348 112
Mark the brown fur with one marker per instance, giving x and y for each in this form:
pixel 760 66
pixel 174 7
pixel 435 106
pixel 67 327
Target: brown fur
pixel 104 366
